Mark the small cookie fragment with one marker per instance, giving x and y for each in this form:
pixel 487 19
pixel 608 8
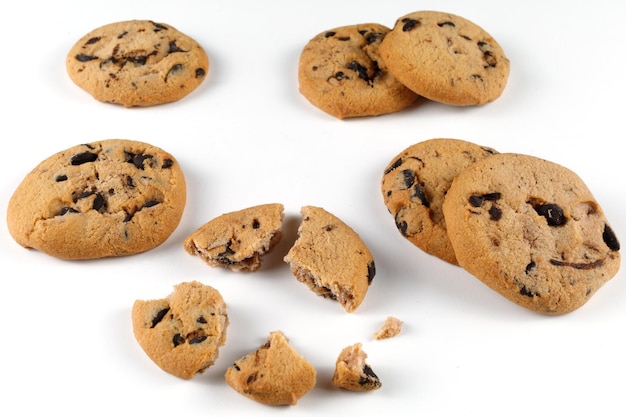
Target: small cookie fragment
pixel 331 258
pixel 238 240
pixel 137 63
pixel 275 374
pixel 341 72
pixel 182 333
pixel 390 328
pixel 113 197
pixel 531 230
pixel 415 183
pixel 446 58
pixel 352 372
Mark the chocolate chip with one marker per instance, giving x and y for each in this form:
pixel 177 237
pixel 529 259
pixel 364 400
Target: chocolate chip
pixel 61 178
pixel 83 158
pixel 93 40
pixel 363 72
pixel 402 226
pixel 528 293
pixel 495 213
pixel 150 203
pixel 159 27
pixel 340 75
pixel 409 24
pixel 371 271
pixel 200 72
pixel 137 159
pixel 174 48
pixel 201 320
pixel 418 192
pixel 446 23
pixel 176 68
pixel 159 317
pixel 98 203
pixel 65 210
pixel 553 214
pixel 197 339
pixel 372 37
pixel 178 339
pixel 492 196
pixel 330 34
pixel 530 267
pixel 121 35
pixel 578 265
pixel 476 200
pixel 609 238
pixel 85 58
pixel 344 38
pixel 393 166
pixel 408 177
pixel 167 163
pixel 256 224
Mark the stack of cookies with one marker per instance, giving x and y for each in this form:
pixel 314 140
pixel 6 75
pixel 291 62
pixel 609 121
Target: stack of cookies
pixel 370 69
pixel 528 228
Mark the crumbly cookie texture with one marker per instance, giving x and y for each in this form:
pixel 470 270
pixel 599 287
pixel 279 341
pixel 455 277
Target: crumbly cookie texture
pixel 107 198
pixel 240 239
pixel 446 58
pixel 531 230
pixel 415 183
pixel 137 63
pixel 274 374
pixel 341 72
pixel 352 371
pixel 182 333
pixel 331 258
pixel 391 327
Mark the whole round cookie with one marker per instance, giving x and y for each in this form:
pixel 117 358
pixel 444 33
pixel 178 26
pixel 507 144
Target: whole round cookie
pixel 415 183
pixel 107 198
pixel 446 58
pixel 137 63
pixel 183 332
pixel 340 72
pixel 531 230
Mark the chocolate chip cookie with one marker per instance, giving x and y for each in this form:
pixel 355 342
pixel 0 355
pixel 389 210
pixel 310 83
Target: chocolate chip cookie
pixel 341 72
pixel 182 333
pixel 331 258
pixel 415 183
pixel 240 239
pixel 352 372
pixel 137 63
pixel 531 230
pixel 274 374
pixel 106 198
pixel 446 58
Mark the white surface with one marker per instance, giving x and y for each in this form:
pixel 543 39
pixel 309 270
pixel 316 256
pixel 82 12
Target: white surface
pixel 247 137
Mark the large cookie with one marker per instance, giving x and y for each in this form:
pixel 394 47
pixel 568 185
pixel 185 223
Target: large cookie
pixel 137 63
pixel 238 240
pixel 415 183
pixel 340 71
pixel 274 374
pixel 182 333
pixel 532 231
pixel 446 58
pixel 331 258
pixel 106 198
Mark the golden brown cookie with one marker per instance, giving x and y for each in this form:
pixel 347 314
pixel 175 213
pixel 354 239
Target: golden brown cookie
pixel 331 258
pixel 106 198
pixel 274 374
pixel 446 58
pixel 340 72
pixel 137 63
pixel 352 371
pixel 238 240
pixel 182 333
pixel 531 230
pixel 415 183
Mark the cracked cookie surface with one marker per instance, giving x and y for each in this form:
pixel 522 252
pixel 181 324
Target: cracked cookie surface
pixel 531 230
pixel 340 72
pixel 106 198
pixel 137 63
pixel 446 58
pixel 415 183
pixel 183 332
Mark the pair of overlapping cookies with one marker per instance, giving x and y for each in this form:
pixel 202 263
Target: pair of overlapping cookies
pixel 370 69
pixel 528 228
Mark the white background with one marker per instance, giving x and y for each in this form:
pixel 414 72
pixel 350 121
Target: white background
pixel 246 137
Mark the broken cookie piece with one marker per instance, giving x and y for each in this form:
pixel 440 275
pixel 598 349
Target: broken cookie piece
pixel 390 328
pixel 352 372
pixel 274 374
pixel 182 333
pixel 331 258
pixel 238 240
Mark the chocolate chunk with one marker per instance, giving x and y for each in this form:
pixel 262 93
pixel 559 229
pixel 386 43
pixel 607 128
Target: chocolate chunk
pixel 409 177
pixel 553 214
pixel 167 163
pixel 528 293
pixel 476 200
pixel 371 271
pixel 409 24
pixel 83 158
pixel 201 320
pixel 137 159
pixel 85 58
pixel 176 68
pixel 446 23
pixel 578 265
pixel 65 210
pixel 174 48
pixel 98 203
pixel 495 213
pixel 394 166
pixel 418 192
pixel 530 267
pixel 330 34
pixel 159 317
pixel 60 178
pixel 402 226
pixel 200 72
pixel 609 238
pixel 150 203
pixel 256 224
pixel 197 339
pixel 178 339
pixel 93 40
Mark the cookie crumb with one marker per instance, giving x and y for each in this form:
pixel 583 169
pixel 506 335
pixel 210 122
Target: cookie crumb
pixel 352 372
pixel 390 328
